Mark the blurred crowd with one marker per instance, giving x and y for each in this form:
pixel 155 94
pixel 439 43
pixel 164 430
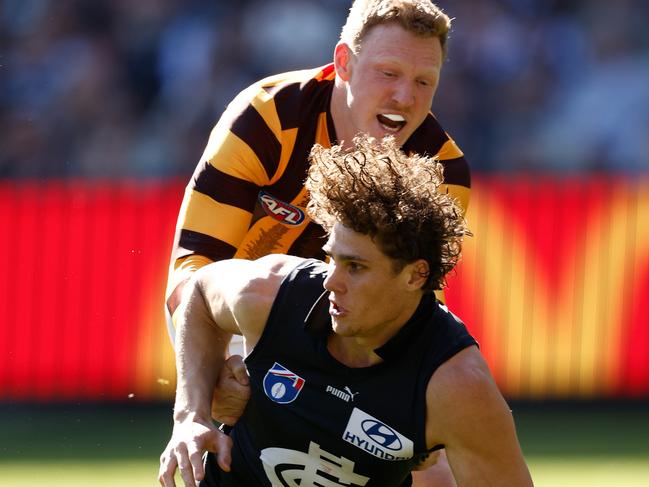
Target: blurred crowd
pixel 121 88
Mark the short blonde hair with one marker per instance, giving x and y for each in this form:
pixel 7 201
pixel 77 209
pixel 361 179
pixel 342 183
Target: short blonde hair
pixel 420 17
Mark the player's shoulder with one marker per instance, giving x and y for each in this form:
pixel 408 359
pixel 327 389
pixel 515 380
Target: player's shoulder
pixel 430 127
pixel 277 265
pixel 264 276
pixel 270 87
pixel 319 74
pixel 431 138
pixel 241 276
pixel 282 100
pixel 461 384
pixel 259 283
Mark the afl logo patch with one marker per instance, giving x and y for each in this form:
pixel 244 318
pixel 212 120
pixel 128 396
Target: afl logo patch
pixel 281 385
pixel 279 210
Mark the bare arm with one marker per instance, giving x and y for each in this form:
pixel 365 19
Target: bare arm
pixel 233 296
pixel 200 351
pixel 232 391
pixel 467 413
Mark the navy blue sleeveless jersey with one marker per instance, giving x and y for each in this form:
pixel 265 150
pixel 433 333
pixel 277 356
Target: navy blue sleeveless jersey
pixel 312 421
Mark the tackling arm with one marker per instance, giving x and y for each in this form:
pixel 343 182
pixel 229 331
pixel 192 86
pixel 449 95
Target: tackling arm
pixel 200 353
pixel 231 296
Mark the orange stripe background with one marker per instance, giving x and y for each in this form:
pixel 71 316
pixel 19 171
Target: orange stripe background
pixel 552 284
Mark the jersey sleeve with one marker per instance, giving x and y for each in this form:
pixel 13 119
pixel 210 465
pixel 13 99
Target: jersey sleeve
pixel 241 157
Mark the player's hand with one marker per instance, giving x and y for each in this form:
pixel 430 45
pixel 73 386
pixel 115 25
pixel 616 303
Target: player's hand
pixel 232 391
pixel 190 439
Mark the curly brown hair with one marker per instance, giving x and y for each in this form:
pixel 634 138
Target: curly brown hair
pixel 375 189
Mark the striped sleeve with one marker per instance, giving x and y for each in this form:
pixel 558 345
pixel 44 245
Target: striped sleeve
pixel 241 156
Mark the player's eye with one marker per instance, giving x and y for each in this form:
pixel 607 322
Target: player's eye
pixel 355 266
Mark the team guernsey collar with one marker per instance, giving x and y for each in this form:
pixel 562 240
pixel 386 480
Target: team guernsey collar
pixel 410 333
pixel 318 322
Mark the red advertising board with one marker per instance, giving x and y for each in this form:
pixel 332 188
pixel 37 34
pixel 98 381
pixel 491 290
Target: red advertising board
pixel 552 284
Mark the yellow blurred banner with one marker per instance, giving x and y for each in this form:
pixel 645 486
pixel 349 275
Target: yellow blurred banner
pixel 554 281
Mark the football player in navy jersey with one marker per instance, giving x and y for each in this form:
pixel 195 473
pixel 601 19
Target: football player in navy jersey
pixel 358 374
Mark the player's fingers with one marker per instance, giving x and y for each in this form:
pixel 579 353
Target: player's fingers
pixel 223 448
pixel 185 466
pixel 196 460
pixel 168 465
pixel 238 369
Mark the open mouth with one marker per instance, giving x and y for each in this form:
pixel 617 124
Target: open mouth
pixel 335 310
pixel 391 122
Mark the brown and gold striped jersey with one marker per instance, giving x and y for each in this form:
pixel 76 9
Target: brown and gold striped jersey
pixel 246 198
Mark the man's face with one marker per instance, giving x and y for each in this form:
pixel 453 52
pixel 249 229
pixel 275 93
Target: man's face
pixel 368 299
pixel 390 84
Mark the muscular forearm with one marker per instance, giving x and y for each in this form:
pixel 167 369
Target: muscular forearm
pixel 200 352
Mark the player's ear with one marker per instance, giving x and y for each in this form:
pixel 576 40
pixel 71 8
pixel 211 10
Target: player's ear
pixel 342 60
pixel 417 274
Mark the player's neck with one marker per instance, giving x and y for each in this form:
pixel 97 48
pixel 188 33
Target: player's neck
pixel 358 350
pixel 338 109
pixel 351 351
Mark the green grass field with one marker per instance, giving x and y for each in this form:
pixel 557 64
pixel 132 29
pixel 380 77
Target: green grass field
pixel 571 445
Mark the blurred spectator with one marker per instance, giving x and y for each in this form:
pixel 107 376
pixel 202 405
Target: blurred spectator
pixel 98 88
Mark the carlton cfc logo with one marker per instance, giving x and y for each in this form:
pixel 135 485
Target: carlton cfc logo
pixel 281 385
pixel 279 210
